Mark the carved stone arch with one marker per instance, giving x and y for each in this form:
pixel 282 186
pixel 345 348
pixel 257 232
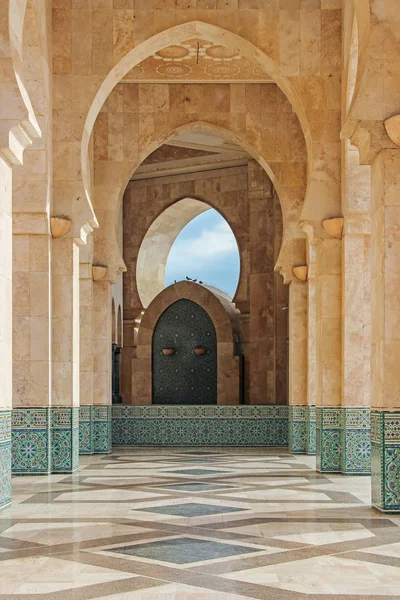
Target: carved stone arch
pixel 158 241
pixel 178 34
pixel 113 179
pixel 223 318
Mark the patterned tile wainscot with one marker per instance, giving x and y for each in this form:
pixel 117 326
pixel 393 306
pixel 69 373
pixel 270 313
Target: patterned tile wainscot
pixel 86 430
pixel 297 429
pixel 31 442
pixel 311 430
pixel 65 439
pixel 385 439
pixel 328 439
pixel 200 425
pixel 102 429
pixel 356 441
pixel 5 458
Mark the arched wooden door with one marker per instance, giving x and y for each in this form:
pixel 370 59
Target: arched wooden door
pixel 184 356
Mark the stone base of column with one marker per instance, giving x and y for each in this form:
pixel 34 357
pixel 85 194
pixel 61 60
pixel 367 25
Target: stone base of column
pixel 86 430
pixel 102 429
pixel 356 441
pixel 31 441
pixel 64 439
pixel 5 458
pixel 385 461
pixel 298 429
pixel 328 440
pixel 311 430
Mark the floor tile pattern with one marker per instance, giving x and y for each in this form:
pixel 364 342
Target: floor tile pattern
pixel 127 526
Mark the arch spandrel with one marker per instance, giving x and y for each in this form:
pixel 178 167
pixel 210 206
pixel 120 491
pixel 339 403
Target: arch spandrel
pixel 181 33
pixel 112 179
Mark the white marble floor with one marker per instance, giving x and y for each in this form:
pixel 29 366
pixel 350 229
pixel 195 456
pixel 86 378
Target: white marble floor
pixel 188 524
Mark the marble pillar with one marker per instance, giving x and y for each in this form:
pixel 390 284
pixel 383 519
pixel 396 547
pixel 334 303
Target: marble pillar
pixel 356 280
pixel 65 355
pixel 329 354
pixel 32 306
pixel 385 326
pixel 298 367
pixel 86 416
pixel 312 372
pixel 5 332
pixel 102 366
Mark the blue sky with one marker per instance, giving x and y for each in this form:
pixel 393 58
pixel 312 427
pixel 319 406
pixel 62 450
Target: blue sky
pixel 205 250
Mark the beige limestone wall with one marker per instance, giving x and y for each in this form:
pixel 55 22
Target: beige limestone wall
pixel 138 118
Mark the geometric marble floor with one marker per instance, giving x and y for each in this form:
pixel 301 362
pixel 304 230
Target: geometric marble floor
pixel 181 524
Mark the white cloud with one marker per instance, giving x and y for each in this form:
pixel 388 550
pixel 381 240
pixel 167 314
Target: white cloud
pixel 211 243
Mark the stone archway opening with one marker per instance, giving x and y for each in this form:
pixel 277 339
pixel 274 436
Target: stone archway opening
pixel 157 246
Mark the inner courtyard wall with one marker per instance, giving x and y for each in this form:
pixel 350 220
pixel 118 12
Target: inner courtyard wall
pixel 246 198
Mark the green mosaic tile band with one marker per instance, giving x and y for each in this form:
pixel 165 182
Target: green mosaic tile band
pixel 385 461
pixel 5 458
pixel 45 440
pixel 102 429
pixel 343 442
pixel 64 439
pixel 31 444
pixel 356 441
pixel 242 425
pixel 298 429
pixel 311 431
pixel 86 430
pixel 328 439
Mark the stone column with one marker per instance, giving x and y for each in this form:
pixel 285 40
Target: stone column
pixel 32 393
pixel 356 331
pixel 66 366
pixel 329 352
pixel 102 366
pixel 5 331
pixel 312 371
pixel 86 418
pixel 385 325
pixel 262 342
pixel 298 366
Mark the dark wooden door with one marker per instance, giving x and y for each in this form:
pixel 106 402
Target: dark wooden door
pixel 185 377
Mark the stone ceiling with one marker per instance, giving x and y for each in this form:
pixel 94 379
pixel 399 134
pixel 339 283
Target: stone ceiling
pixel 190 153
pixel 196 60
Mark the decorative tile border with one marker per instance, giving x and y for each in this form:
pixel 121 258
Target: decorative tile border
pixel 311 431
pixel 385 461
pixel 30 440
pixel 65 439
pixel 86 430
pixel 328 439
pixel 298 429
pixel 356 441
pixel 241 425
pixel 5 458
pixel 102 429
